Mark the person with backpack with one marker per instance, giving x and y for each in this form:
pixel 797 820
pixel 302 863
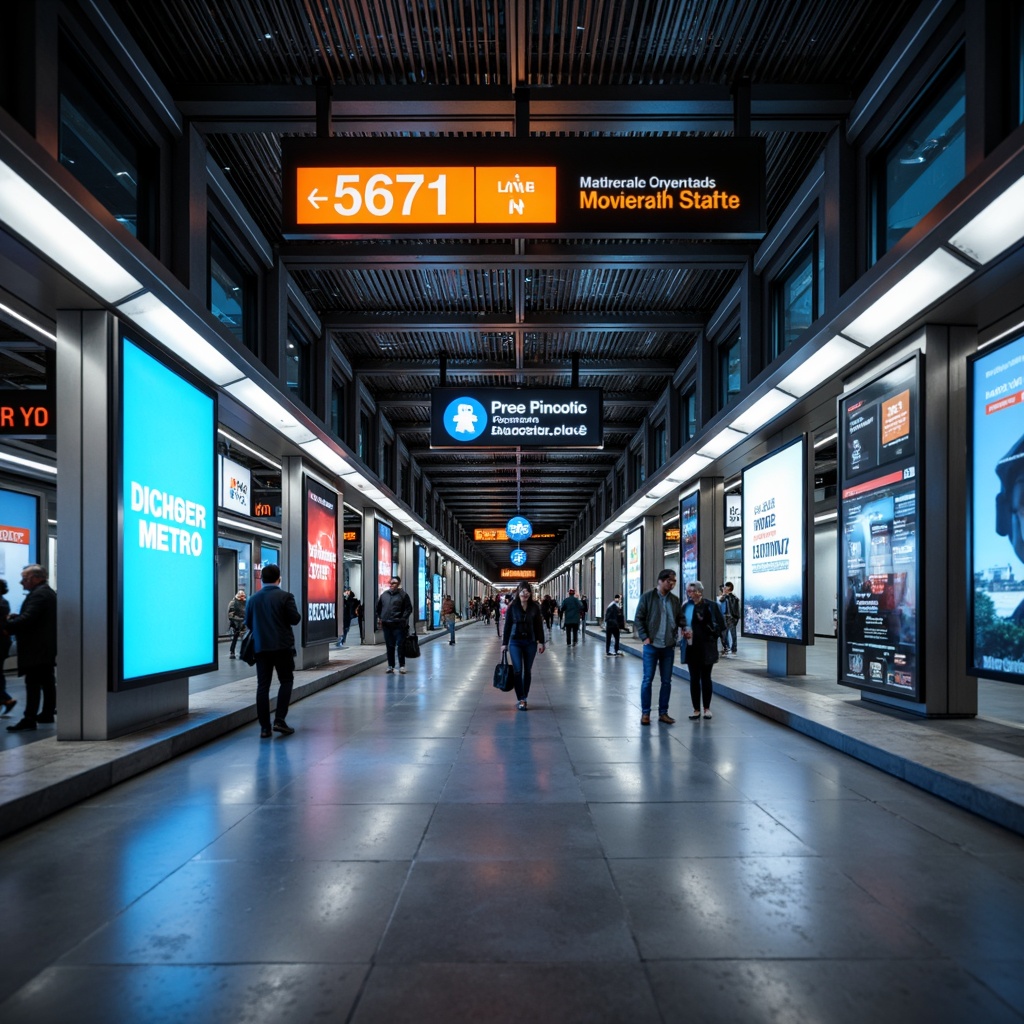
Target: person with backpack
pixel 523 638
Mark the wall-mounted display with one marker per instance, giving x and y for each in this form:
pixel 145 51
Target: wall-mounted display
pixel 879 534
pixel 597 606
pixel 320 581
pixel 27 413
pixel 689 506
pixel 733 511
pixel 268 556
pixel 634 571
pixel 775 545
pixel 19 527
pixel 235 486
pixel 438 599
pixel 422 590
pixel 166 513
pixel 385 558
pixel 995 613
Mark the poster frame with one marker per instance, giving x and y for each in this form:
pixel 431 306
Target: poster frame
pixel 693 493
pixel 329 636
pixel 629 609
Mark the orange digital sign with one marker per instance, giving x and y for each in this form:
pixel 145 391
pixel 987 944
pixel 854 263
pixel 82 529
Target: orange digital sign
pixel 517 574
pixel 501 534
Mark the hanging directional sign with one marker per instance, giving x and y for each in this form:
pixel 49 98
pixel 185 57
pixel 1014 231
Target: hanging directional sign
pixel 519 528
pixel 518 557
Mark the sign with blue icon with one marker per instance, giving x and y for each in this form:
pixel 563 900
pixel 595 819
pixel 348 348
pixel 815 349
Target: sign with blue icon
pixel 518 557
pixel 519 528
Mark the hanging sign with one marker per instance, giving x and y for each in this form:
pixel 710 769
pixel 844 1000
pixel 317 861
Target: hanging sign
pixel 518 557
pixel 517 574
pixel 519 528
pixel 27 413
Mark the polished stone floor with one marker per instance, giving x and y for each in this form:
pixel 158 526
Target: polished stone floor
pixel 421 851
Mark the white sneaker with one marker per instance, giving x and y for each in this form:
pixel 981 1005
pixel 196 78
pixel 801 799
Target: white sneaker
pixel 389 671
pixel 401 671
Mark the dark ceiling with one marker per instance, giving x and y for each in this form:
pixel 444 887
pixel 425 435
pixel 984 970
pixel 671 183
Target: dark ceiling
pixel 244 72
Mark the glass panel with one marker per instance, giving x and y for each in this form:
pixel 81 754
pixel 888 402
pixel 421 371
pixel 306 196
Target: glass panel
pixel 227 291
pixel 364 436
pixel 689 415
pixel 297 364
pixel 337 408
pixel 795 298
pixel 924 163
pixel 730 371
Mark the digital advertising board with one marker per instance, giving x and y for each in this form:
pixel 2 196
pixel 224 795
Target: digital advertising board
pixel 733 512
pixel 421 583
pixel 438 598
pixel 689 512
pixel 996 512
pixel 268 556
pixel 19 530
pixel 541 186
pixel 235 486
pixel 320 580
pixel 598 602
pixel 634 571
pixel 385 557
pixel 166 542
pixel 516 418
pixel 27 412
pixel 775 545
pixel 879 534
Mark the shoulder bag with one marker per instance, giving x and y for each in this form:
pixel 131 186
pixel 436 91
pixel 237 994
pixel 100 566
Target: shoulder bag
pixel 411 645
pixel 247 649
pixel 504 675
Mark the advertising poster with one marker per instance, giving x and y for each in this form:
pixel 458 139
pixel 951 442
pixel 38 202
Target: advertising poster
pixel 422 591
pixel 268 556
pixel 435 611
pixel 878 535
pixel 775 545
pixel 168 537
pixel 688 513
pixel 598 602
pixel 235 487
pixel 996 496
pixel 321 577
pixel 733 512
pixel 384 558
pixel 634 571
pixel 19 523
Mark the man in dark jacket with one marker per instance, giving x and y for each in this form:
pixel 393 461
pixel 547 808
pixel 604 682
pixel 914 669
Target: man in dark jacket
pixel 270 613
pixel 656 621
pixel 570 612
pixel 393 609
pixel 36 630
pixel 613 623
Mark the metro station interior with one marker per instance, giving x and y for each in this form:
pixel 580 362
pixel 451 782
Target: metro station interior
pixel 486 293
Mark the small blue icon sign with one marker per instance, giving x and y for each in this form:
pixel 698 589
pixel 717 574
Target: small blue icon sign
pixel 519 528
pixel 465 419
pixel 519 557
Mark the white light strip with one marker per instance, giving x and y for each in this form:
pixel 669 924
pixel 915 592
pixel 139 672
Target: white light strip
pixel 30 324
pixel 263 531
pixel 328 457
pixel 826 440
pixel 689 468
pixel 820 367
pixel 241 444
pixel 27 213
pixel 763 411
pixel 251 395
pixel 158 320
pixel 826 517
pixel 42 467
pixel 722 442
pixel 907 299
pixel 996 228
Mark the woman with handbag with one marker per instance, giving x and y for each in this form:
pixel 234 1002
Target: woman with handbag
pixel 523 638
pixel 236 620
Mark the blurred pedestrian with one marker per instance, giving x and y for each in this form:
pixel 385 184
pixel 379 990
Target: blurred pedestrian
pixel 36 630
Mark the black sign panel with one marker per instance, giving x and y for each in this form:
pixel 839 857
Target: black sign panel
pixel 542 187
pixel 27 413
pixel 516 417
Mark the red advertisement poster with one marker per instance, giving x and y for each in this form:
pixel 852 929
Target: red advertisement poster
pixel 384 559
pixel 321 578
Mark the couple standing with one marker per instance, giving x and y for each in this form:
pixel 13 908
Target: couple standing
pixel 658 619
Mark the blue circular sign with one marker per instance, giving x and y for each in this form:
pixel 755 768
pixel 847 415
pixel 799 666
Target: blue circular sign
pixel 519 528
pixel 465 419
pixel 519 557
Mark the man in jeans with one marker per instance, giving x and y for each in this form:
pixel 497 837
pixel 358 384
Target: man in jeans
pixel 656 622
pixel 394 607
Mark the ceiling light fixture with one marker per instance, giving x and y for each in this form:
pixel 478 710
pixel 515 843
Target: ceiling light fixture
pixel 763 411
pixel 723 441
pixel 996 228
pixel 812 372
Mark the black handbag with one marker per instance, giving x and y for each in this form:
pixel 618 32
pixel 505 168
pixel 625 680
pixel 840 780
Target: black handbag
pixel 411 645
pixel 504 674
pixel 247 649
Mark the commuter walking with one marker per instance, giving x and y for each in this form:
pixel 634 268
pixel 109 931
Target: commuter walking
pixel 703 625
pixel 570 612
pixel 731 612
pixel 36 630
pixel 349 611
pixel 547 610
pixel 613 623
pixel 236 620
pixel 5 648
pixel 584 609
pixel 448 617
pixel 656 621
pixel 270 614
pixel 393 609
pixel 523 638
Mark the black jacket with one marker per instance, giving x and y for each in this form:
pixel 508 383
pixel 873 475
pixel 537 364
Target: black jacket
pixel 270 613
pixel 394 609
pixel 523 625
pixel 708 624
pixel 36 629
pixel 613 615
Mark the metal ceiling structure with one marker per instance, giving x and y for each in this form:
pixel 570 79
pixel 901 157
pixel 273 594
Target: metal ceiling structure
pixel 246 73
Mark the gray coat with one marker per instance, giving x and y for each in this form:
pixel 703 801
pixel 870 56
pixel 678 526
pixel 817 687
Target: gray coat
pixel 647 617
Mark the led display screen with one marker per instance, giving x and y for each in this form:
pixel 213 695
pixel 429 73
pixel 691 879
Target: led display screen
pixel 235 486
pixel 688 527
pixel 19 524
pixel 634 571
pixel 598 605
pixel 996 496
pixel 421 583
pixel 733 512
pixel 436 608
pixel 167 541
pixel 775 545
pixel 268 556
pixel 384 557
pixel 320 581
pixel 878 534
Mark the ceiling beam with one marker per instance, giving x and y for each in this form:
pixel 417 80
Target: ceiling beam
pixel 395 404
pixel 430 367
pixel 405 323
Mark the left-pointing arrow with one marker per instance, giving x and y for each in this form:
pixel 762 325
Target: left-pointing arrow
pixel 316 199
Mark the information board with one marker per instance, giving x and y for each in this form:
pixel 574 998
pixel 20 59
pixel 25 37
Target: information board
pixel 384 557
pixel 689 507
pixel 634 571
pixel 879 534
pixel 19 529
pixel 775 545
pixel 320 597
pixel 421 583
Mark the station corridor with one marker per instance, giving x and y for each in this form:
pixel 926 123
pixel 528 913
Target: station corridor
pixel 421 851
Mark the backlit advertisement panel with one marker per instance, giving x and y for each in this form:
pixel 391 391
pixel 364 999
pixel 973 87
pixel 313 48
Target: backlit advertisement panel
pixel 235 486
pixel 384 557
pixel 320 580
pixel 166 489
pixel 436 605
pixel 598 602
pixel 268 556
pixel 996 501
pixel 775 545
pixel 688 538
pixel 421 583
pixel 879 534
pixel 634 570
pixel 19 524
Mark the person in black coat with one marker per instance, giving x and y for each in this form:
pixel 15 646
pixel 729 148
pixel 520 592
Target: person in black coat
pixel 523 638
pixel 5 648
pixel 613 623
pixel 704 624
pixel 36 630
pixel 270 613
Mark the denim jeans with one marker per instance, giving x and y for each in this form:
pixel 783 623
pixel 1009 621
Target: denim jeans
pixel 451 628
pixel 522 654
pixel 656 659
pixel 393 638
